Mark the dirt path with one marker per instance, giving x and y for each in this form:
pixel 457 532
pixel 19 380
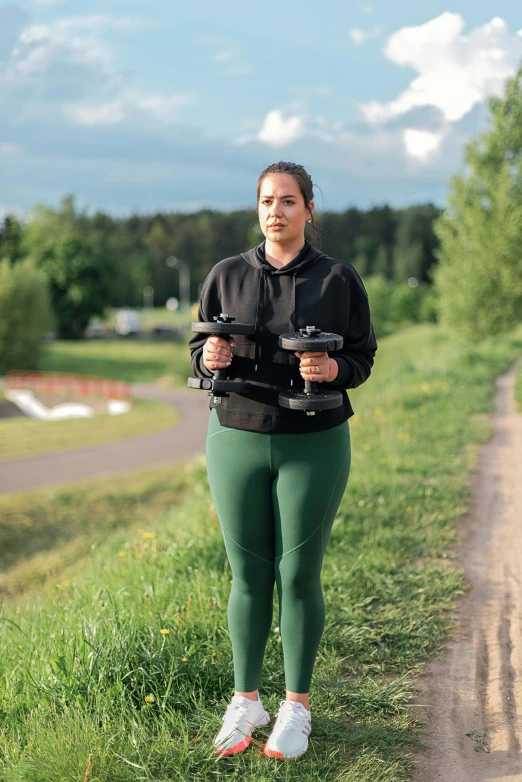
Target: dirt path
pixel 175 444
pixel 477 684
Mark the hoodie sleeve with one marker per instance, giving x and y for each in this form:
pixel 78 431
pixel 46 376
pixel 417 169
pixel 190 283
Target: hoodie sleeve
pixel 209 306
pixel 356 357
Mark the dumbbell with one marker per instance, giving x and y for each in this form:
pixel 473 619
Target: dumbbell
pixel 311 399
pixel 219 384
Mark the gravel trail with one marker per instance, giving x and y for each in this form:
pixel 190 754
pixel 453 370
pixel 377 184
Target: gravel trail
pixel 475 686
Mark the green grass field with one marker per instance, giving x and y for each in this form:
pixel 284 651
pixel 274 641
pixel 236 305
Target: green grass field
pixel 131 360
pixel 20 437
pixel 115 662
pixel 153 316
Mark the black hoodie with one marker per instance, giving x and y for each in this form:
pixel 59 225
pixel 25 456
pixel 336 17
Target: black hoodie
pixel 310 290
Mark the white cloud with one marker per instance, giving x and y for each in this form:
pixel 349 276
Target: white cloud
pixel 67 69
pixel 8 150
pixel 422 144
pixel 77 41
pixel 227 53
pixel 280 129
pixel 360 36
pixel 455 71
pixel 127 107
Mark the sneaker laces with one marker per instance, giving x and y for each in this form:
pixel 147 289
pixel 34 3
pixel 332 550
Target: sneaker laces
pixel 289 717
pixel 236 712
pixel 235 707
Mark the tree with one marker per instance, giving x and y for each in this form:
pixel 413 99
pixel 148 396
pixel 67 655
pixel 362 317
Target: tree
pixel 415 242
pixel 26 315
pixel 382 262
pixel 78 272
pixel 479 276
pixel 11 233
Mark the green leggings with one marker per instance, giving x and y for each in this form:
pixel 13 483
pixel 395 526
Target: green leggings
pixel 276 497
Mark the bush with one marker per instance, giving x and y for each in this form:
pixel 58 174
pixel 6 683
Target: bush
pixel 25 314
pixel 379 290
pixel 412 305
pixel 393 304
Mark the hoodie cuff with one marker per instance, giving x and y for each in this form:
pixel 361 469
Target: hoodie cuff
pixel 200 369
pixel 344 376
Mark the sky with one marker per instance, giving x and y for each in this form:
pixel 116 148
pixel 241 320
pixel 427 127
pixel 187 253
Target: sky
pixel 140 107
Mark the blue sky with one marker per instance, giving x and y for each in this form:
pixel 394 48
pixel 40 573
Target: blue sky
pixel 137 107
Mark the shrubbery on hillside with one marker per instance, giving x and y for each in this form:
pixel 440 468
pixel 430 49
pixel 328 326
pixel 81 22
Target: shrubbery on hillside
pixel 25 315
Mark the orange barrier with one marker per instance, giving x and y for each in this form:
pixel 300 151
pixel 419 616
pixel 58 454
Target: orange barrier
pixel 84 385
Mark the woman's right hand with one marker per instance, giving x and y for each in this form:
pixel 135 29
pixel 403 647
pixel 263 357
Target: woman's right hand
pixel 217 353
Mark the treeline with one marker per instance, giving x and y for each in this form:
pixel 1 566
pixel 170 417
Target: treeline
pixel 94 261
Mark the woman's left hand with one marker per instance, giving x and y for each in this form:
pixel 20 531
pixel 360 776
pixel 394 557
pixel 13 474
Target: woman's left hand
pixel 316 367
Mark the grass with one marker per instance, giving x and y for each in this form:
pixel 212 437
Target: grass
pixel 93 690
pixel 21 437
pixel 131 360
pixel 154 316
pixel 43 532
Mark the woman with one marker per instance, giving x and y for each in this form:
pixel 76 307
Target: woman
pixel 277 475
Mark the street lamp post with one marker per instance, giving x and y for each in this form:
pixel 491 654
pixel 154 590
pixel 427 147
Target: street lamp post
pixel 184 280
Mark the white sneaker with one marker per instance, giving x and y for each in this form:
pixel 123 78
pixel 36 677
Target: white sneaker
pixel 289 738
pixel 241 718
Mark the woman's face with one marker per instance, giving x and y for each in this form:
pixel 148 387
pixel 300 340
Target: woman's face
pixel 282 210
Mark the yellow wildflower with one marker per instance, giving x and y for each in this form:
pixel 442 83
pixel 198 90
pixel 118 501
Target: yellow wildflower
pixel 121 554
pixel 183 659
pixel 149 698
pixel 164 631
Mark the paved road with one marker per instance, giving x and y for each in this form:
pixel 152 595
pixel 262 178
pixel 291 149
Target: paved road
pixel 175 444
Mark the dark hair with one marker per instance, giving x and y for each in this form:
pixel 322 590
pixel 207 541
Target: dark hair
pixel 303 179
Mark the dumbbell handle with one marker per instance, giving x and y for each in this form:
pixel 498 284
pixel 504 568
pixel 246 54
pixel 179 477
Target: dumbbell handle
pixel 221 373
pixel 311 386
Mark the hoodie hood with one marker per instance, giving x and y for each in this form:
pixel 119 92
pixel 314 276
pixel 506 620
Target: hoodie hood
pixel 305 258
pixel 308 256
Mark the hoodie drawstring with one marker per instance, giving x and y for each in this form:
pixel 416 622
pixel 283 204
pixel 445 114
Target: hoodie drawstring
pixel 259 310
pixel 292 323
pixel 261 296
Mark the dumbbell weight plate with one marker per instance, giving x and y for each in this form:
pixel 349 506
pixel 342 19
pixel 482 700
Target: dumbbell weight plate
pixel 324 342
pixel 217 327
pixel 299 400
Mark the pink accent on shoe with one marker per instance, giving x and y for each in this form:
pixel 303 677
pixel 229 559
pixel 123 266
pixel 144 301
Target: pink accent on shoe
pixel 271 753
pixel 240 747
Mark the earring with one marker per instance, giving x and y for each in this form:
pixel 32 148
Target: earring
pixel 308 221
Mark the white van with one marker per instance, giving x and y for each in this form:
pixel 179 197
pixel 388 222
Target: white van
pixel 127 322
